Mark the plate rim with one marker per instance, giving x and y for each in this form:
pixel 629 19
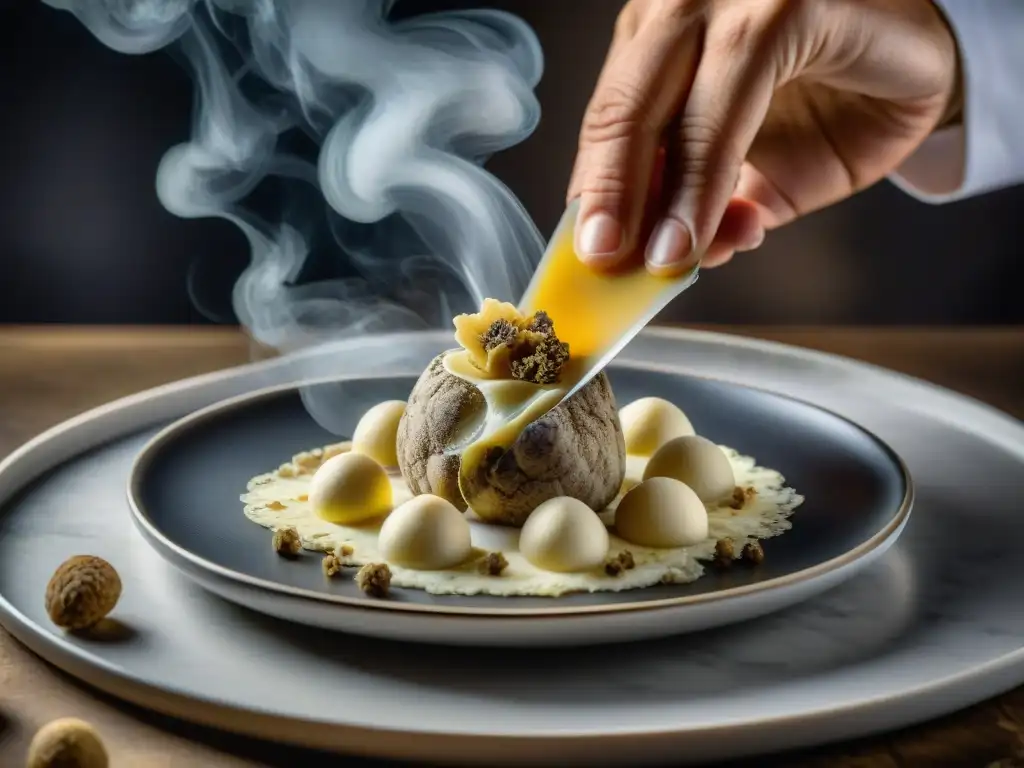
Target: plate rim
pixel 184 559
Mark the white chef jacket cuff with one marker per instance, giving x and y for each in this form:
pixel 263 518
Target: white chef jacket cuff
pixel 987 151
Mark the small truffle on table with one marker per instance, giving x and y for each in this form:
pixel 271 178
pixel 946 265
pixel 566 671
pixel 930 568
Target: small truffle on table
pixel 81 592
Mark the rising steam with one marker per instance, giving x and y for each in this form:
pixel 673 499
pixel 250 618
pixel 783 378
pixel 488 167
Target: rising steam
pixel 402 115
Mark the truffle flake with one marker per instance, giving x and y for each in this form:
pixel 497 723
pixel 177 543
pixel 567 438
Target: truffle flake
pixel 492 564
pixel 753 552
pixel 540 363
pixel 740 497
pixel 725 553
pixel 524 347
pixel 374 579
pixel 331 565
pixel 620 563
pixel 541 322
pixel 286 542
pixel 501 332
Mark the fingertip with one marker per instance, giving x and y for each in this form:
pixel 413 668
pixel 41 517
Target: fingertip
pixel 741 228
pixel 670 248
pixel 669 270
pixel 598 238
pixel 753 242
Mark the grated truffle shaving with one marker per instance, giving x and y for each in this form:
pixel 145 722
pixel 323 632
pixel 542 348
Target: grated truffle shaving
pixel 501 332
pixel 374 579
pixel 332 565
pixel 503 343
pixel 542 363
pixel 541 322
pixel 492 564
pixel 620 563
pixel 740 497
pixel 753 552
pixel 725 553
pixel 286 542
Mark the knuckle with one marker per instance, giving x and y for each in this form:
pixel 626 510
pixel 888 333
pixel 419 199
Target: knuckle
pixel 705 157
pixel 604 181
pixel 616 113
pixel 682 10
pixel 693 174
pixel 699 135
pixel 738 34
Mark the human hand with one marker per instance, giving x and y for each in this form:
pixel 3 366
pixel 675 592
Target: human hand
pixel 716 120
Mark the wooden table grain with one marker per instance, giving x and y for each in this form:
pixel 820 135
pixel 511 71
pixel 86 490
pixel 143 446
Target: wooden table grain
pixel 48 374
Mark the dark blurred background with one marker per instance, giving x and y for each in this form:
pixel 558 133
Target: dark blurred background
pixel 83 238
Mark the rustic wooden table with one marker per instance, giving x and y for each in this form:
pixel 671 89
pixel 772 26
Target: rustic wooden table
pixel 49 374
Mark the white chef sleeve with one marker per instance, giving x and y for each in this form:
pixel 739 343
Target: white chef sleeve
pixel 986 152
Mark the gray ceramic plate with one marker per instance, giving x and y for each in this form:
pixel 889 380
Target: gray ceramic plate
pixel 185 486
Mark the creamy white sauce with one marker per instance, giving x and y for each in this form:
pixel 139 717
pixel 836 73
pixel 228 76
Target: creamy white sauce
pixel 764 516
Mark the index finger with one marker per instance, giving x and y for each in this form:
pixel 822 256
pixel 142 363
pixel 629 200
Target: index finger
pixel 622 132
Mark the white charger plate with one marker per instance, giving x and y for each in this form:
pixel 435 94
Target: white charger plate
pixel 933 626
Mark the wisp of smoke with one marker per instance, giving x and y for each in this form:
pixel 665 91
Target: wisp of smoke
pixel 402 114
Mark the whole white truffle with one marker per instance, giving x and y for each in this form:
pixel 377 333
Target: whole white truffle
pixel 564 535
pixel 350 488
pixel 426 533
pixel 376 434
pixel 697 462
pixel 649 423
pixel 661 512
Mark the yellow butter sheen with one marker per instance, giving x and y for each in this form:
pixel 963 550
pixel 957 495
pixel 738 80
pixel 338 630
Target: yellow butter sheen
pixel 376 434
pixel 350 488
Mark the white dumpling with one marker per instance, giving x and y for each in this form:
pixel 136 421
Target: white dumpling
pixel 661 512
pixel 649 423
pixel 426 533
pixel 697 462
pixel 564 535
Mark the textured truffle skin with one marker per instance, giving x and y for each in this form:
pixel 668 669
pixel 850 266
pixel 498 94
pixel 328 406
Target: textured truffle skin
pixel 82 591
pixel 576 449
pixel 67 743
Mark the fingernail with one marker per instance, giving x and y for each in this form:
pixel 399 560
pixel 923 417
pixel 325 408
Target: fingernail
pixel 669 245
pixel 600 236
